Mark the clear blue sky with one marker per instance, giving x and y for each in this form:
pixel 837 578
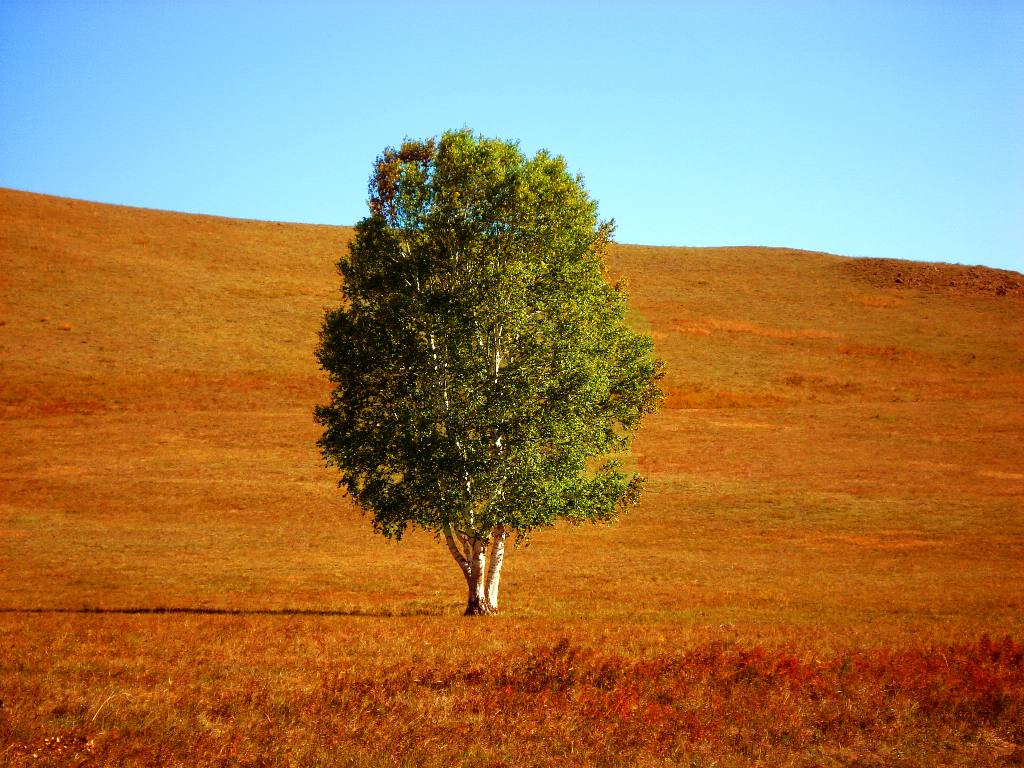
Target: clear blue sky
pixel 891 129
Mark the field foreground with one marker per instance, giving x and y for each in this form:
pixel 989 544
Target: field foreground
pixel 826 568
pixel 341 691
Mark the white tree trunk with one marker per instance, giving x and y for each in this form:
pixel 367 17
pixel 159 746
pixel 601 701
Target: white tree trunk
pixel 494 561
pixel 477 603
pixel 481 570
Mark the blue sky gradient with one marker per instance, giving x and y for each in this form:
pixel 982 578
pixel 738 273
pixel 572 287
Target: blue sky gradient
pixel 890 129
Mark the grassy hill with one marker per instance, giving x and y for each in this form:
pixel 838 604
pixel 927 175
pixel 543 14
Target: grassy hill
pixel 837 475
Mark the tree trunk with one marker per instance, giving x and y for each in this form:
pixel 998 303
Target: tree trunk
pixel 477 604
pixel 482 573
pixel 494 561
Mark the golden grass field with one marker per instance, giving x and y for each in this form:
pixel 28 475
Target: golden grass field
pixel 827 567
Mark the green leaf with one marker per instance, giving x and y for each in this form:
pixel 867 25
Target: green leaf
pixel 483 368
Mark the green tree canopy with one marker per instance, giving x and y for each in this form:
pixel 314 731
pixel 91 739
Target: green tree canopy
pixel 485 378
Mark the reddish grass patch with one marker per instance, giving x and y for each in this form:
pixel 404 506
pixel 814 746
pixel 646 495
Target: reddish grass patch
pixel 682 396
pixel 547 705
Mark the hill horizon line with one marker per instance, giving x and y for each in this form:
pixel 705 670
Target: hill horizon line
pixel 283 222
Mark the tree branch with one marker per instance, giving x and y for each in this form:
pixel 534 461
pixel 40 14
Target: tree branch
pixel 454 549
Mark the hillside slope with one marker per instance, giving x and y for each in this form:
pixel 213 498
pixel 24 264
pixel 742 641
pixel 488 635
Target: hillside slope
pixel 840 444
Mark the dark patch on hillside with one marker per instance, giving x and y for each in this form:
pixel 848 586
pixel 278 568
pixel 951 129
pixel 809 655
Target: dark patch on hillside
pixel 954 278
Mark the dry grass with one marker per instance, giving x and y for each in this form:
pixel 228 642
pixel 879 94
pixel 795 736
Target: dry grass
pixel 337 691
pixel 834 518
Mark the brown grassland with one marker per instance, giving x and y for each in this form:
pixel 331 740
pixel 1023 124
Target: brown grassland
pixel 827 567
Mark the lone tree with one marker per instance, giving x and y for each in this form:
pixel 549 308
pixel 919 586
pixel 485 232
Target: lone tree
pixel 485 377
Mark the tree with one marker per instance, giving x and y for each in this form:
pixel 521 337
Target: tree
pixel 486 381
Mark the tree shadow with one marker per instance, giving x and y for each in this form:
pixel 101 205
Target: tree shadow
pixel 164 610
